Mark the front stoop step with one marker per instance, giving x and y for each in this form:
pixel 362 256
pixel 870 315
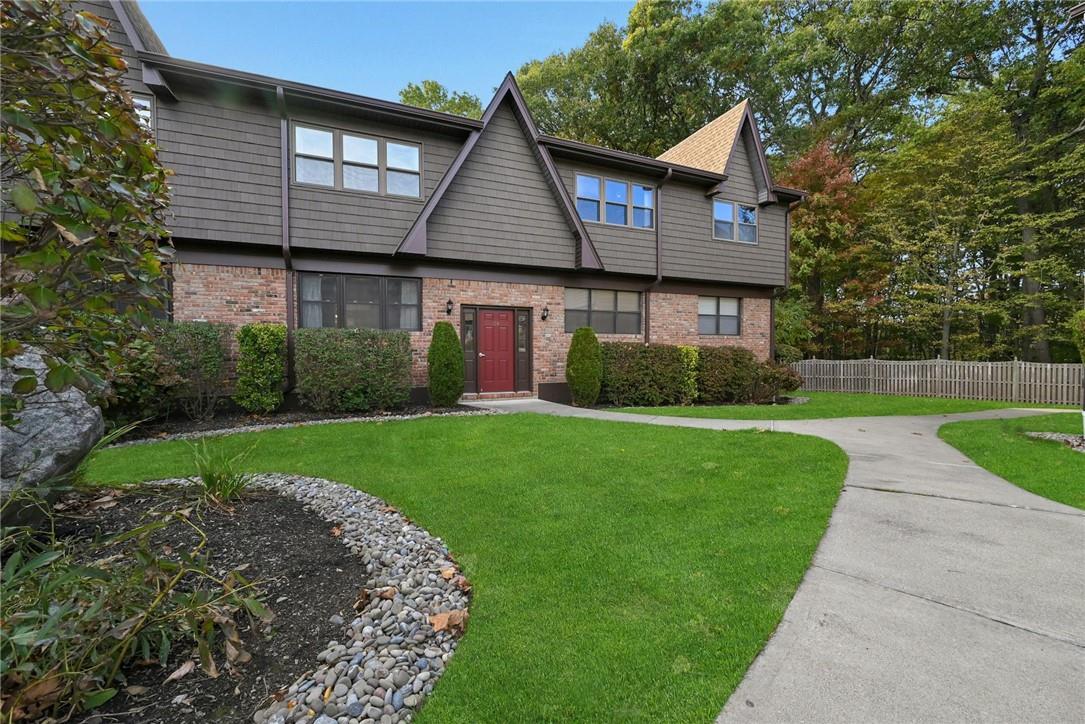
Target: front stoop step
pixel 474 396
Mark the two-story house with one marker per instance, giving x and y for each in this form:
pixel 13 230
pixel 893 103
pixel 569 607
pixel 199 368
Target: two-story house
pixel 313 207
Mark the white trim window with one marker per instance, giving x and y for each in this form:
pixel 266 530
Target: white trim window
pixel 732 221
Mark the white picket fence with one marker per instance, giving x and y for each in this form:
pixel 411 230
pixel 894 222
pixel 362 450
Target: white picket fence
pixel 1030 382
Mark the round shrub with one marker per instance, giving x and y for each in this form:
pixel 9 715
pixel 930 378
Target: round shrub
pixel 261 366
pixel 774 380
pixel 646 374
pixel 584 367
pixel 726 375
pixel 445 360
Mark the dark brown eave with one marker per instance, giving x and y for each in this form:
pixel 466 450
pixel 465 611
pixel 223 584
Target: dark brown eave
pixel 397 111
pixel 631 161
pixel 786 194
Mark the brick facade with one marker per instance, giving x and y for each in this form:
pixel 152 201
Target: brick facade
pixel 233 294
pixel 674 321
pixel 237 295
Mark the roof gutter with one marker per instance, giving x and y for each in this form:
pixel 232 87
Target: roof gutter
pixel 303 90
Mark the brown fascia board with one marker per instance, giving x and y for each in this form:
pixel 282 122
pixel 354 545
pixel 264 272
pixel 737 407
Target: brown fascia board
pixel 263 82
pixel 416 242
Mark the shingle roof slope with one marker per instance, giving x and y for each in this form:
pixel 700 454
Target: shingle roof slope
pixel 709 147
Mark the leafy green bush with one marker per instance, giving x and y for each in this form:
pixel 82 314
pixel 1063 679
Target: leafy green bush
pixel 85 200
pixel 261 366
pixel 726 375
pixel 218 472
pixel 352 370
pixel 584 367
pixel 773 380
pixel 197 352
pixel 73 612
pixel 654 374
pixel 142 384
pixel 690 355
pixel 445 361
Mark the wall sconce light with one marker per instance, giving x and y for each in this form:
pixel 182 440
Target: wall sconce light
pixel 545 313
pixel 448 307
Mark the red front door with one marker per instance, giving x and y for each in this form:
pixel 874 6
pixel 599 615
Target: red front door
pixel 496 351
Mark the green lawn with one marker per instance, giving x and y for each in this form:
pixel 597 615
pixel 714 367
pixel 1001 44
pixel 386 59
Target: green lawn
pixel 1044 467
pixel 621 572
pixel 832 404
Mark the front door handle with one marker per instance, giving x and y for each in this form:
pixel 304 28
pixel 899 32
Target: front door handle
pixel 481 354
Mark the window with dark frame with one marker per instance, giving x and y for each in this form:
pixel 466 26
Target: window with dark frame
pixel 351 161
pixel 604 310
pixel 359 302
pixel 729 217
pixel 623 203
pixel 719 316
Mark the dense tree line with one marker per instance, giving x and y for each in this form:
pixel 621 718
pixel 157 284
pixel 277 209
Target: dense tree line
pixel 941 141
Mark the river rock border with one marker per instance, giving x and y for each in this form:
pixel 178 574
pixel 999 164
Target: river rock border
pixel 196 435
pixel 412 606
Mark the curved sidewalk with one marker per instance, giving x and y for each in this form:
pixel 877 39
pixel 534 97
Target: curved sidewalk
pixel 940 592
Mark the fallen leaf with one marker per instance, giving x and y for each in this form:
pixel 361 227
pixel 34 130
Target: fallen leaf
pixel 447 573
pixel 182 671
pixel 453 621
pixel 136 690
pixel 462 583
pixel 388 592
pixel 327 693
pixel 182 699
pixel 337 531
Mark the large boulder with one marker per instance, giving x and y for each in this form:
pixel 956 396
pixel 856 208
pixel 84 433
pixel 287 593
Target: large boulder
pixel 55 432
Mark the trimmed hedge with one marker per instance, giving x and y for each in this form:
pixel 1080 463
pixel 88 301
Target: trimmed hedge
pixel 352 370
pixel 196 351
pixel 638 375
pixel 726 375
pixel 261 366
pixel 648 375
pixel 445 365
pixel 584 367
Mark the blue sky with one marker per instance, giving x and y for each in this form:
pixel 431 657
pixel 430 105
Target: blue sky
pixel 375 48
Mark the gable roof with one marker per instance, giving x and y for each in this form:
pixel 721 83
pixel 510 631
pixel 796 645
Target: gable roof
pixel 416 241
pixel 140 33
pixel 712 146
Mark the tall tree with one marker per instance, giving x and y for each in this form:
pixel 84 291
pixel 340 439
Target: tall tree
pixel 434 96
pixel 1027 61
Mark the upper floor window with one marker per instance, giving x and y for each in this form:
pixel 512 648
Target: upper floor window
pixel 719 315
pixel 351 300
pixel 604 310
pixel 729 217
pixel 144 106
pixel 356 162
pixel 618 203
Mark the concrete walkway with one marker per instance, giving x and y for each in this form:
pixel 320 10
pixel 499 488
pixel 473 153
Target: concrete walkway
pixel 939 593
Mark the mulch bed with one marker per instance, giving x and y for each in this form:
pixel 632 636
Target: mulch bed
pixel 226 421
pixel 306 574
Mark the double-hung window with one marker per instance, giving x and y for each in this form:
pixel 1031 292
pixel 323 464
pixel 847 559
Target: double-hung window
pixel 351 161
pixel 404 174
pixel 615 202
pixel 356 301
pixel 734 222
pixel 719 315
pixel 587 197
pixel 604 310
pixel 314 156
